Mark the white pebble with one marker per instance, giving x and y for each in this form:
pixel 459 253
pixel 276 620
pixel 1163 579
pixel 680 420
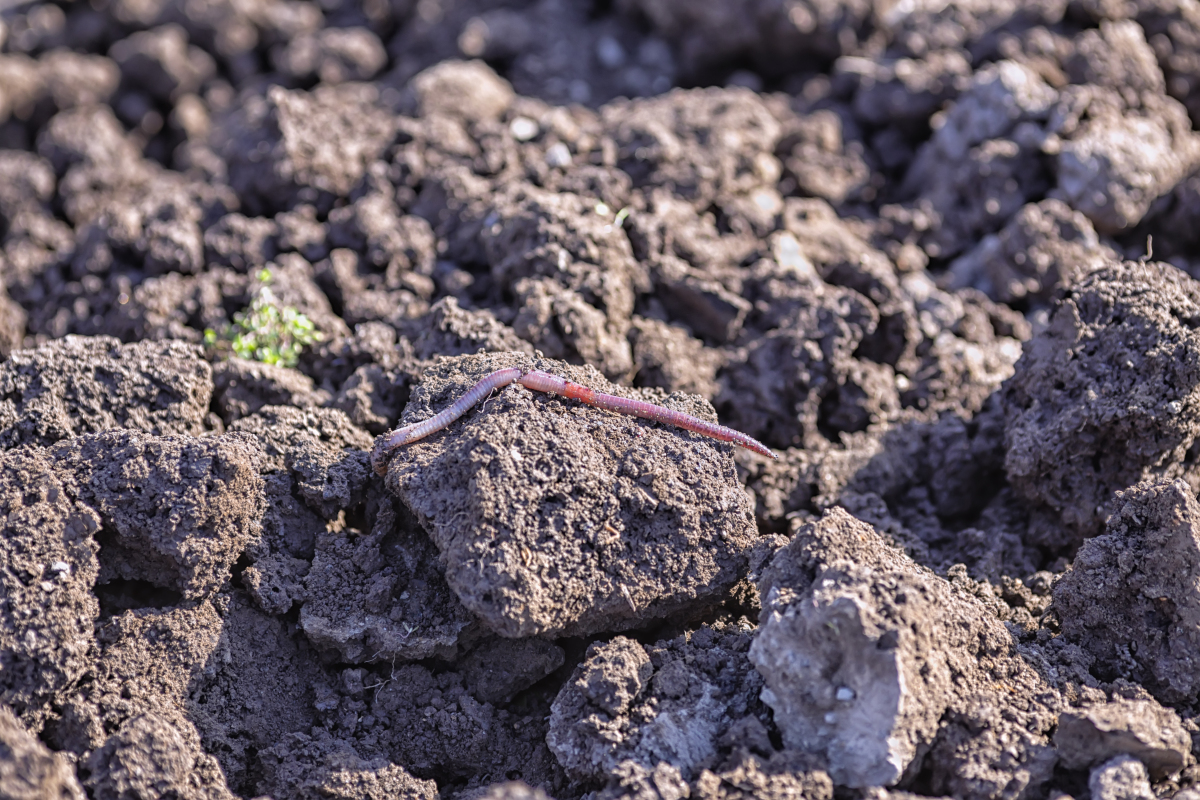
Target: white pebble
pixel 844 694
pixel 558 155
pixel 523 129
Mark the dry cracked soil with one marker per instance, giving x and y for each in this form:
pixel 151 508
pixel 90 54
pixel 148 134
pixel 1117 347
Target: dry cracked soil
pixel 942 257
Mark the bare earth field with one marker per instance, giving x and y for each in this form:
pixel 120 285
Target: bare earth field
pixel 941 257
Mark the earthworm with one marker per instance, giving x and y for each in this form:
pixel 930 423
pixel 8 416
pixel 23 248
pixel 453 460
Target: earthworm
pixel 545 382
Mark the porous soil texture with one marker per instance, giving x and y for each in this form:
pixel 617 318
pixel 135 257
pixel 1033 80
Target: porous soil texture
pixel 942 258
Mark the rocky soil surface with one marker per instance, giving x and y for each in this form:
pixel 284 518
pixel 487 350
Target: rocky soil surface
pixel 942 257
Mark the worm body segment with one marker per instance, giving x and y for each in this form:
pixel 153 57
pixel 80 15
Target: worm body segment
pixel 539 381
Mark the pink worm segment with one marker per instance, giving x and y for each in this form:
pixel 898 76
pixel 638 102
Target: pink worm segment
pixel 539 381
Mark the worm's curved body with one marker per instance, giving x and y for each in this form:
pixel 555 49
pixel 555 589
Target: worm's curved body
pixel 539 381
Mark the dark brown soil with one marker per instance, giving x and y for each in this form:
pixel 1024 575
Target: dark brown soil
pixel 942 257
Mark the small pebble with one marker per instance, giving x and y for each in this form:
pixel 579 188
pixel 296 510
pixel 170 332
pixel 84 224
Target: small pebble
pixel 831 718
pixel 558 155
pixel 523 129
pixel 844 694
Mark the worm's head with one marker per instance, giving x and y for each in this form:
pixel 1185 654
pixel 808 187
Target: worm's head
pixel 380 454
pixel 385 444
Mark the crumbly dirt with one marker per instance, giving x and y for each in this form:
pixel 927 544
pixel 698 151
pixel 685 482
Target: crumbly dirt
pixel 941 257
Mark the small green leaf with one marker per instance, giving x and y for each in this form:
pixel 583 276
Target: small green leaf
pixel 265 331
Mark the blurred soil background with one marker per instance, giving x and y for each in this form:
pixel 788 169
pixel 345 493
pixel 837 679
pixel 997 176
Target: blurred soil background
pixel 940 256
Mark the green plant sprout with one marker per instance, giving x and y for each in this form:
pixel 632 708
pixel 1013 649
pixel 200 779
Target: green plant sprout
pixel 266 331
